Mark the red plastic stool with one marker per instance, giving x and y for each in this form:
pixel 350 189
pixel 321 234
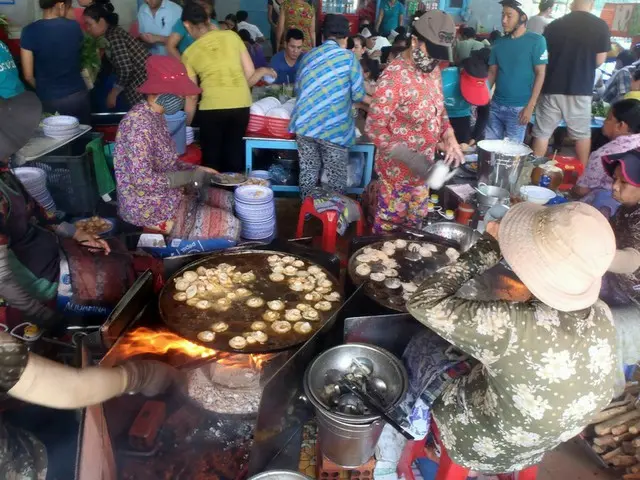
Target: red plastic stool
pixel 192 155
pixel 572 168
pixel 447 469
pixel 329 224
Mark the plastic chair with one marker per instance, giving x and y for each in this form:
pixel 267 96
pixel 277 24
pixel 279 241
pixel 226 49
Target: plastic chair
pixel 572 168
pixel 329 224
pixel 447 469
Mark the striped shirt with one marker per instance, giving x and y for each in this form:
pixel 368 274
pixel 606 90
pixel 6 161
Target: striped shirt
pixel 329 82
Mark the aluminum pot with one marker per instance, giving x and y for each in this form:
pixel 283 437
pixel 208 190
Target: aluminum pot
pixel 500 162
pixel 489 196
pixel 279 475
pixel 350 440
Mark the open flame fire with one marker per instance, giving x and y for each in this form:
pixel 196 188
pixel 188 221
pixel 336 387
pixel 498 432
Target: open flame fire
pixel 161 342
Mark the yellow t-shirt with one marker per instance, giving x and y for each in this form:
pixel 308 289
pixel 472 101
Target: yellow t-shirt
pixel 634 95
pixel 215 58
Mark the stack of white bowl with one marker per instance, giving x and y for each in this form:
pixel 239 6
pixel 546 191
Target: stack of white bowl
pixel 60 126
pixel 190 137
pixel 34 181
pixel 256 209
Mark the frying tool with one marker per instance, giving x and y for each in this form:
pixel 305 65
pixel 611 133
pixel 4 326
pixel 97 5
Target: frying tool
pixel 189 321
pixel 375 407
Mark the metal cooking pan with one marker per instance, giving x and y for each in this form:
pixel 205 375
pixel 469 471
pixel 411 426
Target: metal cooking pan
pixel 189 321
pixel 408 271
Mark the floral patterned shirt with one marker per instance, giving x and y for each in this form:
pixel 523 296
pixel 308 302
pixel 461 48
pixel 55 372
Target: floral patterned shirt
pixel 144 154
pixel 595 176
pixel 407 107
pixel 542 374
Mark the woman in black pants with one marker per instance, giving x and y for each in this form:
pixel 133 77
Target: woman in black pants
pixel 219 62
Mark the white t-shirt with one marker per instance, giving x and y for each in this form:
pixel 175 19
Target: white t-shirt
pixel 252 29
pixel 538 23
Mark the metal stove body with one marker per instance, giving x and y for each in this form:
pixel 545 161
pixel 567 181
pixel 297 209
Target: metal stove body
pixel 171 437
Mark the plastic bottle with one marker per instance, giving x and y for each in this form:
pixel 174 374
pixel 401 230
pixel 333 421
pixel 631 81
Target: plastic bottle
pixel 449 215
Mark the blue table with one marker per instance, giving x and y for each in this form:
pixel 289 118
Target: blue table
pixel 595 122
pixel 257 143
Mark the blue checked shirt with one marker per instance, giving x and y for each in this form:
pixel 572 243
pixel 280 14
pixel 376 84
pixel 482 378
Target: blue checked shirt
pixel 619 85
pixel 329 82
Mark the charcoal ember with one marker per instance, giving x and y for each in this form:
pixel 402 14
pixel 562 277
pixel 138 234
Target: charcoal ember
pixel 216 397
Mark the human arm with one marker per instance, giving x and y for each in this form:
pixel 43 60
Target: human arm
pixel 527 112
pixel 274 25
pixel 493 74
pixel 26 58
pixel 252 74
pixel 122 65
pixel 601 58
pixel 478 328
pixel 626 260
pixel 356 76
pixel 280 29
pixel 401 19
pixel 313 29
pixel 379 20
pixel 40 381
pixel 603 44
pixel 191 103
pixel 172 45
pixel 153 39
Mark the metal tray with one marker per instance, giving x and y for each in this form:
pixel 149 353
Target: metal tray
pixel 408 271
pixel 188 321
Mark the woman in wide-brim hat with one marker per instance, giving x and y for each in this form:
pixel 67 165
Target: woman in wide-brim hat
pixel 530 374
pixel 155 189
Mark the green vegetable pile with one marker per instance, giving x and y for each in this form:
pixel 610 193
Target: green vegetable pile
pixel 599 109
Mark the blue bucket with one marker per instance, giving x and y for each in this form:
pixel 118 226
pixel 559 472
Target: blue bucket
pixel 177 124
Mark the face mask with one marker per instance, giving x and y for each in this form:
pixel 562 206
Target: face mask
pixel 423 61
pixel 172 103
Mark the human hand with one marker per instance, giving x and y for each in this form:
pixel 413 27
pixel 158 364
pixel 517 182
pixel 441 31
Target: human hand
pixel 148 38
pixel 94 242
pixel 525 115
pixel 148 377
pixel 493 229
pixel 112 98
pixel 452 152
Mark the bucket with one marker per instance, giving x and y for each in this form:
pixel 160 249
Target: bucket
pixel 349 440
pixel 177 124
pixel 347 444
pixel 500 162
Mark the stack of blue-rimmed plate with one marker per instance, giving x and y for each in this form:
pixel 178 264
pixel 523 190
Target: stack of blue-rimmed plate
pixel 60 126
pixel 34 181
pixel 256 209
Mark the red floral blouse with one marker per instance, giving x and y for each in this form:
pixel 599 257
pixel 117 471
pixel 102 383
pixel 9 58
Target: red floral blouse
pixel 407 108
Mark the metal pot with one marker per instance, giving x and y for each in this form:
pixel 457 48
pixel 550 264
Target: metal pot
pixel 465 236
pixel 280 475
pixel 350 440
pixel 497 167
pixel 489 196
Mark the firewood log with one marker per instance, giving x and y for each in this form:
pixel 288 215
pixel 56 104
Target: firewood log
pixel 613 453
pixel 604 428
pixel 608 414
pixel 620 429
pixel 635 428
pixel 600 450
pixel 628 448
pixel 636 442
pixel 628 399
pixel 604 440
pixel 623 437
pixel 631 476
pixel 624 460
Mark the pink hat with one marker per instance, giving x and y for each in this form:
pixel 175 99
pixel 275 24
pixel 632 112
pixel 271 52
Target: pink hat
pixel 560 253
pixel 167 75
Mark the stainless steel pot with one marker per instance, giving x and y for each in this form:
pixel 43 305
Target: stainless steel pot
pixel 489 196
pixel 350 440
pixel 280 475
pixel 500 162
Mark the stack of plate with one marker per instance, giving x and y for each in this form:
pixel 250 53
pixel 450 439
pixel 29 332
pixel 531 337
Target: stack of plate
pixel 256 209
pixel 190 137
pixel 35 182
pixel 60 126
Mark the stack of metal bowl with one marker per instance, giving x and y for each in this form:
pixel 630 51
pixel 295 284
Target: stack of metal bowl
pixel 347 431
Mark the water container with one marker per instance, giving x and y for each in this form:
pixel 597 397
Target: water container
pixel 177 124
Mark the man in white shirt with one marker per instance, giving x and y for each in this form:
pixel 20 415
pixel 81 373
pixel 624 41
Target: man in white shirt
pixel 538 23
pixel 256 34
pixel 156 19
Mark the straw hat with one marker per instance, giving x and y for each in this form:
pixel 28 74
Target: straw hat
pixel 560 253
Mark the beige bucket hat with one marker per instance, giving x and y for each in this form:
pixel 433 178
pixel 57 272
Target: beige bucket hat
pixel 560 253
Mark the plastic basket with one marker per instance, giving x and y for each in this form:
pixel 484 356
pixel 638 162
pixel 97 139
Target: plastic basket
pixel 70 176
pixel 262 126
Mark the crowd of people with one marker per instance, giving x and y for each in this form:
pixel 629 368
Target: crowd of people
pixel 418 93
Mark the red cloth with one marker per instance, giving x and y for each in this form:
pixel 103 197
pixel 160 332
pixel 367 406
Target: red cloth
pixel 193 155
